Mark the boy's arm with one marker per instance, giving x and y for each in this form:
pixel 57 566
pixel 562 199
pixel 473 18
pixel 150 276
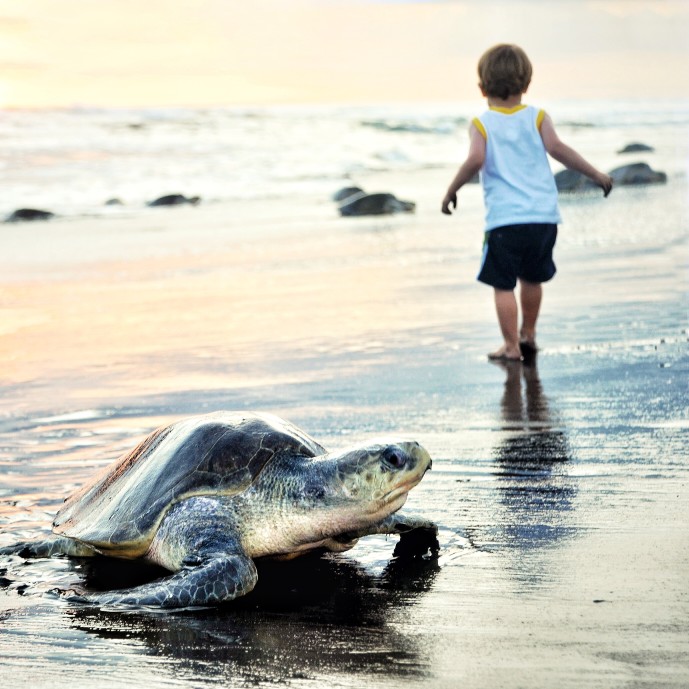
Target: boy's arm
pixel 570 158
pixel 468 169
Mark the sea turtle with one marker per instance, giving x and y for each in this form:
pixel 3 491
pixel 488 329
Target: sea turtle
pixel 636 147
pixel 374 204
pixel 175 200
pixel 637 173
pixel 346 192
pixel 29 215
pixel 206 495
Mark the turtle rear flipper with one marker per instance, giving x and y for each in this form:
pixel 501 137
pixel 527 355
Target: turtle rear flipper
pixel 209 580
pixel 49 547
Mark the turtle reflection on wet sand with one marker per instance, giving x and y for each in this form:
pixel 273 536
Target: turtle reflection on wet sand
pixel 206 495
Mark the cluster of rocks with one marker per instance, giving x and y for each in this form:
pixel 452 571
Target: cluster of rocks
pixel 32 214
pixel 633 174
pixel 355 201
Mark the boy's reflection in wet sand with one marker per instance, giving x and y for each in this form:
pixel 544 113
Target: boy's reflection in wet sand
pixel 531 462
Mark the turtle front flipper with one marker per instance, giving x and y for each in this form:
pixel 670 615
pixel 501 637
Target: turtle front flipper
pixel 418 536
pixel 198 542
pixel 203 580
pixel 397 523
pixel 402 524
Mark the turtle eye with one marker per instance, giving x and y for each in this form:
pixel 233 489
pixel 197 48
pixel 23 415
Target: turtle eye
pixel 394 458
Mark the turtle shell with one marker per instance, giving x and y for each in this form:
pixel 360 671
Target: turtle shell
pixel 120 510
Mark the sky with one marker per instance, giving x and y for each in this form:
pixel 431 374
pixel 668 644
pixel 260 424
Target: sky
pixel 245 52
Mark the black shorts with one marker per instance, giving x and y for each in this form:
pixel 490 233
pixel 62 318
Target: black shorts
pixel 518 251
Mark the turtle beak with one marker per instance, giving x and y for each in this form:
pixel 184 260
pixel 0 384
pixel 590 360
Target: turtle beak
pixel 423 456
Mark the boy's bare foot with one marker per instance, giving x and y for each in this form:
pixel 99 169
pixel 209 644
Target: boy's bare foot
pixel 529 351
pixel 505 354
pixel 528 347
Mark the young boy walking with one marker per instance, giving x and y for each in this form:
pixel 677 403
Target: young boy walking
pixel 508 146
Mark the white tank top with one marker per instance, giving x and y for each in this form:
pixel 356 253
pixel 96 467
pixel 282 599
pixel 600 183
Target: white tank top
pixel 518 184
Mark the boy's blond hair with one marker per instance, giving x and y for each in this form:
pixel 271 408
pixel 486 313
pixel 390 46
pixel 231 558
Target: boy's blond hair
pixel 504 71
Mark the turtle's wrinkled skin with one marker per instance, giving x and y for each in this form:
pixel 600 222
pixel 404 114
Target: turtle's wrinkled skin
pixel 205 496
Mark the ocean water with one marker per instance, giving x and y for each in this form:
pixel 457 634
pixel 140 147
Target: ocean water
pixel 72 161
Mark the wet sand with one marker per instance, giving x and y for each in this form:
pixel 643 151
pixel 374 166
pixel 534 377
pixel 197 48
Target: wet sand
pixel 560 489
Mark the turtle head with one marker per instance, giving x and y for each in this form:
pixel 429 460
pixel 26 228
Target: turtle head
pixel 331 499
pixel 376 478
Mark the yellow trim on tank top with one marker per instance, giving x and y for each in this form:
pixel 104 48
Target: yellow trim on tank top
pixel 507 111
pixel 481 129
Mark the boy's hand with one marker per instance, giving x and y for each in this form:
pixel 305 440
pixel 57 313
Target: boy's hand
pixel 450 200
pixel 605 183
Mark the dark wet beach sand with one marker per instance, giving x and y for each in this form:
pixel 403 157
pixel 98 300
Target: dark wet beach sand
pixel 561 489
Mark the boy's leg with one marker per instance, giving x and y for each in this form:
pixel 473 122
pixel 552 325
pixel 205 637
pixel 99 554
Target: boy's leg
pixel 506 308
pixel 530 295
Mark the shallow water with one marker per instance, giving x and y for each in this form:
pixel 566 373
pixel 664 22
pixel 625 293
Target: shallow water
pixel 560 489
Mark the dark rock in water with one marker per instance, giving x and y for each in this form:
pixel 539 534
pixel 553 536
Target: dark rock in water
pixel 636 148
pixel 572 181
pixel 28 215
pixel 346 192
pixel 114 202
pixel 637 173
pixel 175 200
pixel 375 204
